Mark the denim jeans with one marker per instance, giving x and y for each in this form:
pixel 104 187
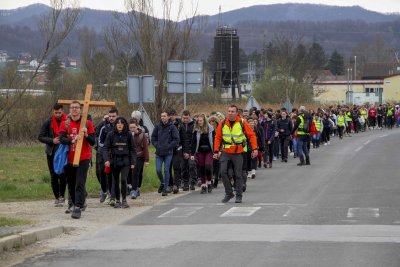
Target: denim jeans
pixel 164 179
pixel 302 147
pixel 294 140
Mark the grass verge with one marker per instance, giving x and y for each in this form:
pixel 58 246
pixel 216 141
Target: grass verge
pixel 4 221
pixel 24 175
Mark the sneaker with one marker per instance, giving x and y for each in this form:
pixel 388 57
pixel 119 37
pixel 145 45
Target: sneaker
pixel 129 188
pixel 69 209
pixel 133 194
pixel 329 142
pixel 160 189
pixel 112 202
pixel 253 176
pixel 192 187
pixel 210 188
pixel 186 187
pixel 249 176
pixel 175 190
pixel 325 144
pixel 265 165
pixel 203 189
pixel 274 158
pixel 124 204
pixel 308 162
pixel 117 205
pixel 227 198
pixel 238 199
pixel 84 206
pixel 56 203
pixel 76 213
pixel 295 155
pixel 108 199
pixel 164 193
pixel 270 164
pixel 103 197
pixel 285 160
pixel 301 163
pixel 61 202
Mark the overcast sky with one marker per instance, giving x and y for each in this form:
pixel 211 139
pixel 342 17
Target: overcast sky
pixel 210 7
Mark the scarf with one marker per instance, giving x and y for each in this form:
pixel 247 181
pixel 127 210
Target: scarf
pixel 55 125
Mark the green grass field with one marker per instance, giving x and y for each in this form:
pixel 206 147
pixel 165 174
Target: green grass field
pixel 24 175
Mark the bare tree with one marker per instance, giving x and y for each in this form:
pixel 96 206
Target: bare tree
pixel 54 28
pixel 153 39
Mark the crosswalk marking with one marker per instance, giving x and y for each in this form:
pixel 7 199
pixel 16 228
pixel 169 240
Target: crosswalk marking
pixel 363 213
pixel 180 212
pixel 240 212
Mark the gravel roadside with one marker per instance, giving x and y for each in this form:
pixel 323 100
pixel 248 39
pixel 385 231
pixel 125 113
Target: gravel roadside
pixel 96 217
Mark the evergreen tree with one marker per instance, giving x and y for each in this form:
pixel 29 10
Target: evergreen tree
pixel 336 64
pixel 54 69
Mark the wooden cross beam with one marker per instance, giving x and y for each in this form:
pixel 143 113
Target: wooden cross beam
pixel 86 104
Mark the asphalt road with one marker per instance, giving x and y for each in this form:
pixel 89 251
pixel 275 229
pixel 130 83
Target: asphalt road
pixel 343 210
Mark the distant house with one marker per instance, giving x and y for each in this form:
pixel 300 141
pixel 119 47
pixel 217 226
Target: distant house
pixel 3 56
pixel 71 63
pixel 33 63
pixel 24 58
pixel 358 91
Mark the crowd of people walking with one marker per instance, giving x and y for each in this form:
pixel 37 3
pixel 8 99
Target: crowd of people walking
pixel 194 150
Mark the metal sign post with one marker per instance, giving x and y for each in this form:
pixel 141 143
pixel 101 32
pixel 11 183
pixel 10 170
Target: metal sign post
pixel 185 77
pixel 141 90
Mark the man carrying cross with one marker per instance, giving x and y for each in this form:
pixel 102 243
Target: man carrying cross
pixel 76 175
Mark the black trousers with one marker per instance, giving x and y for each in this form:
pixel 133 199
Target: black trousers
pixel 177 160
pixel 58 182
pixel 268 154
pixel 120 172
pixel 284 143
pixel 100 174
pixel 76 178
pixel 137 174
pixel 189 171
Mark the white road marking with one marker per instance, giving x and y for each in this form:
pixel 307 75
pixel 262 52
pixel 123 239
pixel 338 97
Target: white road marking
pixel 180 212
pixel 366 143
pixel 279 204
pixel 288 212
pixel 363 213
pixel 383 136
pixel 161 236
pixel 240 212
pixel 358 149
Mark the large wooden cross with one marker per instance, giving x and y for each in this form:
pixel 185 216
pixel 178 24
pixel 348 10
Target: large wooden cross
pixel 86 103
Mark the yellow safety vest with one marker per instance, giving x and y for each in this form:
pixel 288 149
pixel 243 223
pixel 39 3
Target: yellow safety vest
pixel 300 129
pixel 340 121
pixel 363 112
pixel 390 112
pixel 318 124
pixel 233 136
pixel 348 116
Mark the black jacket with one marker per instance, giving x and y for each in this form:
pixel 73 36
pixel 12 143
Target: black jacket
pixel 165 138
pixel 183 145
pixel 119 149
pixel 189 134
pixel 46 136
pixel 286 126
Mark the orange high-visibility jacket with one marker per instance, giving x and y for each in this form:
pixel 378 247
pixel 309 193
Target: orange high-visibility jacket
pixel 234 149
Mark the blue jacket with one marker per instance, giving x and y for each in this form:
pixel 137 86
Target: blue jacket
pixel 165 138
